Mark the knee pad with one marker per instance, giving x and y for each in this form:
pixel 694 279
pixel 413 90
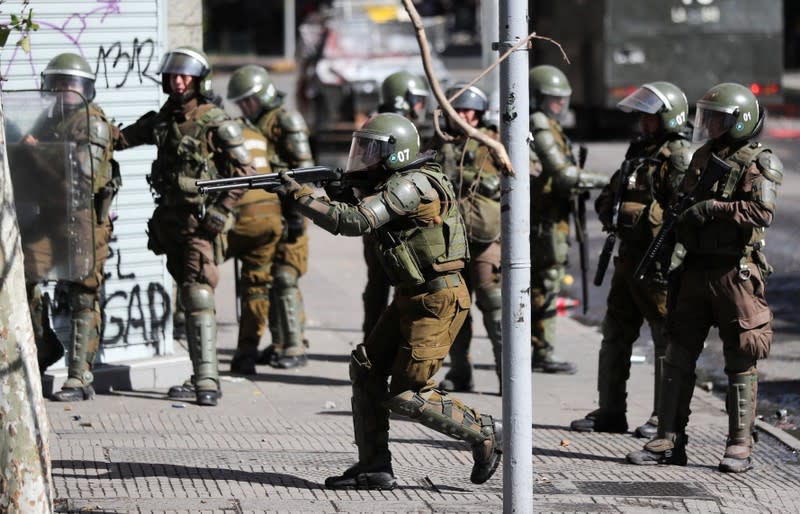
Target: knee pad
pixel 197 297
pixel 489 299
pixel 284 277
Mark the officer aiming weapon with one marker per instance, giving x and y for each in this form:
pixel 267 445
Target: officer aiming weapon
pixel 715 169
pixel 269 181
pixel 629 167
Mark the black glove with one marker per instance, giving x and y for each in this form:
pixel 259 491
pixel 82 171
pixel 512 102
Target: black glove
pixel 215 221
pixel 699 213
pixel 288 185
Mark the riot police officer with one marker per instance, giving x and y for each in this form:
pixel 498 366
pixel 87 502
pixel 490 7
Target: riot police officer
pixel 629 208
pixel 253 90
pixel 406 94
pixel 254 240
pixel 720 282
pixel 555 178
pixel 70 78
pixel 476 178
pixel 196 139
pixel 422 247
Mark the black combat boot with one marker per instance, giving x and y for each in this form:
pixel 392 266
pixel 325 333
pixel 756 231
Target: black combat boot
pixel 73 394
pixel 740 404
pixel 543 361
pixel 377 475
pixel 601 421
pixel 649 429
pixel 669 445
pixel 669 449
pixel 243 364
pixel 185 391
pixel 370 428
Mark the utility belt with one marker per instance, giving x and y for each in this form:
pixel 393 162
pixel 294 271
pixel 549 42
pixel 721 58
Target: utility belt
pixel 431 285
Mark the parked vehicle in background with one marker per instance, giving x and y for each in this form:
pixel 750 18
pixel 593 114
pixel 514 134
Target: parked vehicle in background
pixel 614 46
pixel 345 52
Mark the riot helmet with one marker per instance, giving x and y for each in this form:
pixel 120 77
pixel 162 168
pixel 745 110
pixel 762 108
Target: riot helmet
pixel 69 72
pixel 472 98
pixel 405 93
pixel 252 89
pixel 549 91
pixel 727 111
pixel 388 140
pixel 662 99
pixel 186 60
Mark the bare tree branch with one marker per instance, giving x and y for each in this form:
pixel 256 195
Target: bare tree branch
pixel 497 149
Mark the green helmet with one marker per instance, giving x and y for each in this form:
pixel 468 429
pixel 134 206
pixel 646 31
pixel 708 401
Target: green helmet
pixel 69 72
pixel 386 139
pixel 549 90
pixel 728 111
pixel 404 93
pixel 253 81
pixel 186 60
pixel 663 99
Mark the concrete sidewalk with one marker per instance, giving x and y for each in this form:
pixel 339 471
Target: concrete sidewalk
pixel 274 437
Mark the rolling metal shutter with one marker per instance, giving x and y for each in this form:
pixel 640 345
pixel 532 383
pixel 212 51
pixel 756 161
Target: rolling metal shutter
pixel 124 41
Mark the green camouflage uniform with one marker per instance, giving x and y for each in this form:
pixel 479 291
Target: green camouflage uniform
pixel 287 135
pixel 254 240
pixel 421 243
pixel 96 145
pixel 472 170
pixel 649 188
pixel 555 176
pixel 195 140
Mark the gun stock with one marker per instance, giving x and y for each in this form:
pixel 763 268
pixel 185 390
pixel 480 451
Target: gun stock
pixel 715 169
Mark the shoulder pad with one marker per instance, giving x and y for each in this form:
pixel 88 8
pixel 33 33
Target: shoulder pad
pixel 771 166
pixel 230 133
pixel 543 140
pixel 99 131
pixel 539 121
pixel 402 193
pixel 291 121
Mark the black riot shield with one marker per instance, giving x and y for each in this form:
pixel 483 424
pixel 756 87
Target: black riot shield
pixel 47 136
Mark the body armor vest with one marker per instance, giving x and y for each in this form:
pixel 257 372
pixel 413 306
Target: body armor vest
pixel 471 169
pixel 724 237
pixel 258 147
pixel 412 253
pixel 184 157
pixel 636 222
pixel 546 206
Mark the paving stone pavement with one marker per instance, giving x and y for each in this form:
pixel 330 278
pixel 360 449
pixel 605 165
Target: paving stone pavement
pixel 276 436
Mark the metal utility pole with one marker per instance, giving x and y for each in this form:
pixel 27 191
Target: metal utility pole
pixel 516 264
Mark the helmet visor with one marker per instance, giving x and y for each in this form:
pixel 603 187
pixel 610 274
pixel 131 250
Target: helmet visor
pixel 417 102
pixel 176 63
pixel 642 100
pixel 67 85
pixel 711 123
pixel 367 150
pixel 555 106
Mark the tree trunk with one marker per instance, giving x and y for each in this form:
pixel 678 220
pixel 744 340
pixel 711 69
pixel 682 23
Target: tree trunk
pixel 25 479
